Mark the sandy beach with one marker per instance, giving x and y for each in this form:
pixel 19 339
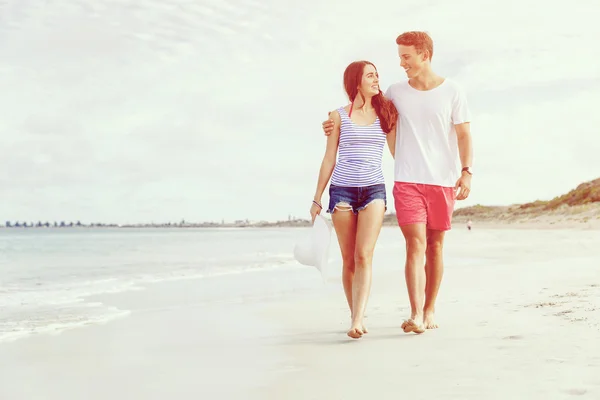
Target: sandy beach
pixel 159 158
pixel 519 312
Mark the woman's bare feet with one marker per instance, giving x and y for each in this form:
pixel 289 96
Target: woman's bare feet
pixel 364 328
pixel 414 324
pixel 355 333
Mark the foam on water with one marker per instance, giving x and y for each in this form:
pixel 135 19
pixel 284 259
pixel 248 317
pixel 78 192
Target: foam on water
pixel 63 306
pixel 24 321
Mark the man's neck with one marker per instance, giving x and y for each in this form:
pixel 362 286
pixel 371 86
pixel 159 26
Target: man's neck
pixel 426 80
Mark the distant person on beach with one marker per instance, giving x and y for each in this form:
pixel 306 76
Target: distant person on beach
pixel 469 224
pixel 433 160
pixel 357 195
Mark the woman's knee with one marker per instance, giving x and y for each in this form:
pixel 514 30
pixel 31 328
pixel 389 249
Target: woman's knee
pixel 363 257
pixel 348 262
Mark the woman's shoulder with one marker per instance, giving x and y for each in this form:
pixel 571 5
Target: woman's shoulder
pixel 336 114
pixel 343 109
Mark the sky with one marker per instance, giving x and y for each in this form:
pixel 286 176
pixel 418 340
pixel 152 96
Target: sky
pixel 208 110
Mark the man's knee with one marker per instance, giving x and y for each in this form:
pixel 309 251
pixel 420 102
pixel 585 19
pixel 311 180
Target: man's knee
pixel 415 236
pixel 435 243
pixel 415 246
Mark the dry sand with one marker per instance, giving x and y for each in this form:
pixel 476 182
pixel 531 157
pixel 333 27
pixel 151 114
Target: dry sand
pixel 503 335
pixel 519 312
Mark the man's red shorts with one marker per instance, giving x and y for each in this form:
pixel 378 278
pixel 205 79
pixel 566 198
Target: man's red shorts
pixel 417 203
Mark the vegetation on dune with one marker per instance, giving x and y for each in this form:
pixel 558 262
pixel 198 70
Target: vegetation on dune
pixel 477 209
pixel 586 193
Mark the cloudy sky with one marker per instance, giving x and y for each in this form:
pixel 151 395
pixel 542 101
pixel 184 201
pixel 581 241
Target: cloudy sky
pixel 158 110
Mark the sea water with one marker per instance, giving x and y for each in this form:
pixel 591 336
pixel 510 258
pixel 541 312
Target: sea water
pixel 47 274
pixel 48 277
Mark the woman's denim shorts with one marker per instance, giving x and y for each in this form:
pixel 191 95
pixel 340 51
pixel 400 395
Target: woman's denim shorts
pixel 358 198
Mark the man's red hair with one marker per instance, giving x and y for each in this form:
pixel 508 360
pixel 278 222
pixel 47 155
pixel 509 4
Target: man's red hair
pixel 421 40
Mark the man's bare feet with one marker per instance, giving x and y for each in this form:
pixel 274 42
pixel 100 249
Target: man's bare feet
pixel 355 333
pixel 364 329
pixel 414 324
pixel 429 321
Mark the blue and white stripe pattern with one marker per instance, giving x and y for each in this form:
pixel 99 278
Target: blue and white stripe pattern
pixel 360 153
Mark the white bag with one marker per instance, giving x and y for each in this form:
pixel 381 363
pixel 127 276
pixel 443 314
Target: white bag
pixel 313 248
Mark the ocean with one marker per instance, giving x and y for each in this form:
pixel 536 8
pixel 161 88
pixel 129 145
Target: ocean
pixel 47 274
pixel 49 277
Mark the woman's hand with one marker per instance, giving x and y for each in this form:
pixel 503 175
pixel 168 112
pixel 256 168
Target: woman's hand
pixel 315 210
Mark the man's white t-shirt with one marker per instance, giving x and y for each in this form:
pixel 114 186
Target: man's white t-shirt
pixel 426 142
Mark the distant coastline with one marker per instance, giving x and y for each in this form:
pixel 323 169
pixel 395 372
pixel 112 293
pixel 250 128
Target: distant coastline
pixel 293 222
pixel 579 206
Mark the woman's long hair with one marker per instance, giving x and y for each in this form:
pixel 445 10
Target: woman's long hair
pixel 385 109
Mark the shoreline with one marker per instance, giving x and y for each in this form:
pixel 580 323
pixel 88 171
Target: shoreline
pixel 173 341
pixel 386 250
pixel 525 304
pixel 566 221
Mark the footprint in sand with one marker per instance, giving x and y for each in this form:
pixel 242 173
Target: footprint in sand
pixel 558 314
pixel 576 392
pixel 544 304
pixel 561 296
pixel 579 319
pixel 513 337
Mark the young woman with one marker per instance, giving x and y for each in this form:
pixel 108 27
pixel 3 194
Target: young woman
pixel 357 196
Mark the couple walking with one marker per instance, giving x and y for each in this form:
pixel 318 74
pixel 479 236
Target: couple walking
pixel 425 123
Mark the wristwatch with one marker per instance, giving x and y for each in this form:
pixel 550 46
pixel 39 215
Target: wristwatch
pixel 468 170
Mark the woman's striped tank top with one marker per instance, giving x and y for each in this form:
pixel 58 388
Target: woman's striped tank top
pixel 360 153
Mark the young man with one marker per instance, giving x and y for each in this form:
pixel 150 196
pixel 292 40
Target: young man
pixel 432 169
